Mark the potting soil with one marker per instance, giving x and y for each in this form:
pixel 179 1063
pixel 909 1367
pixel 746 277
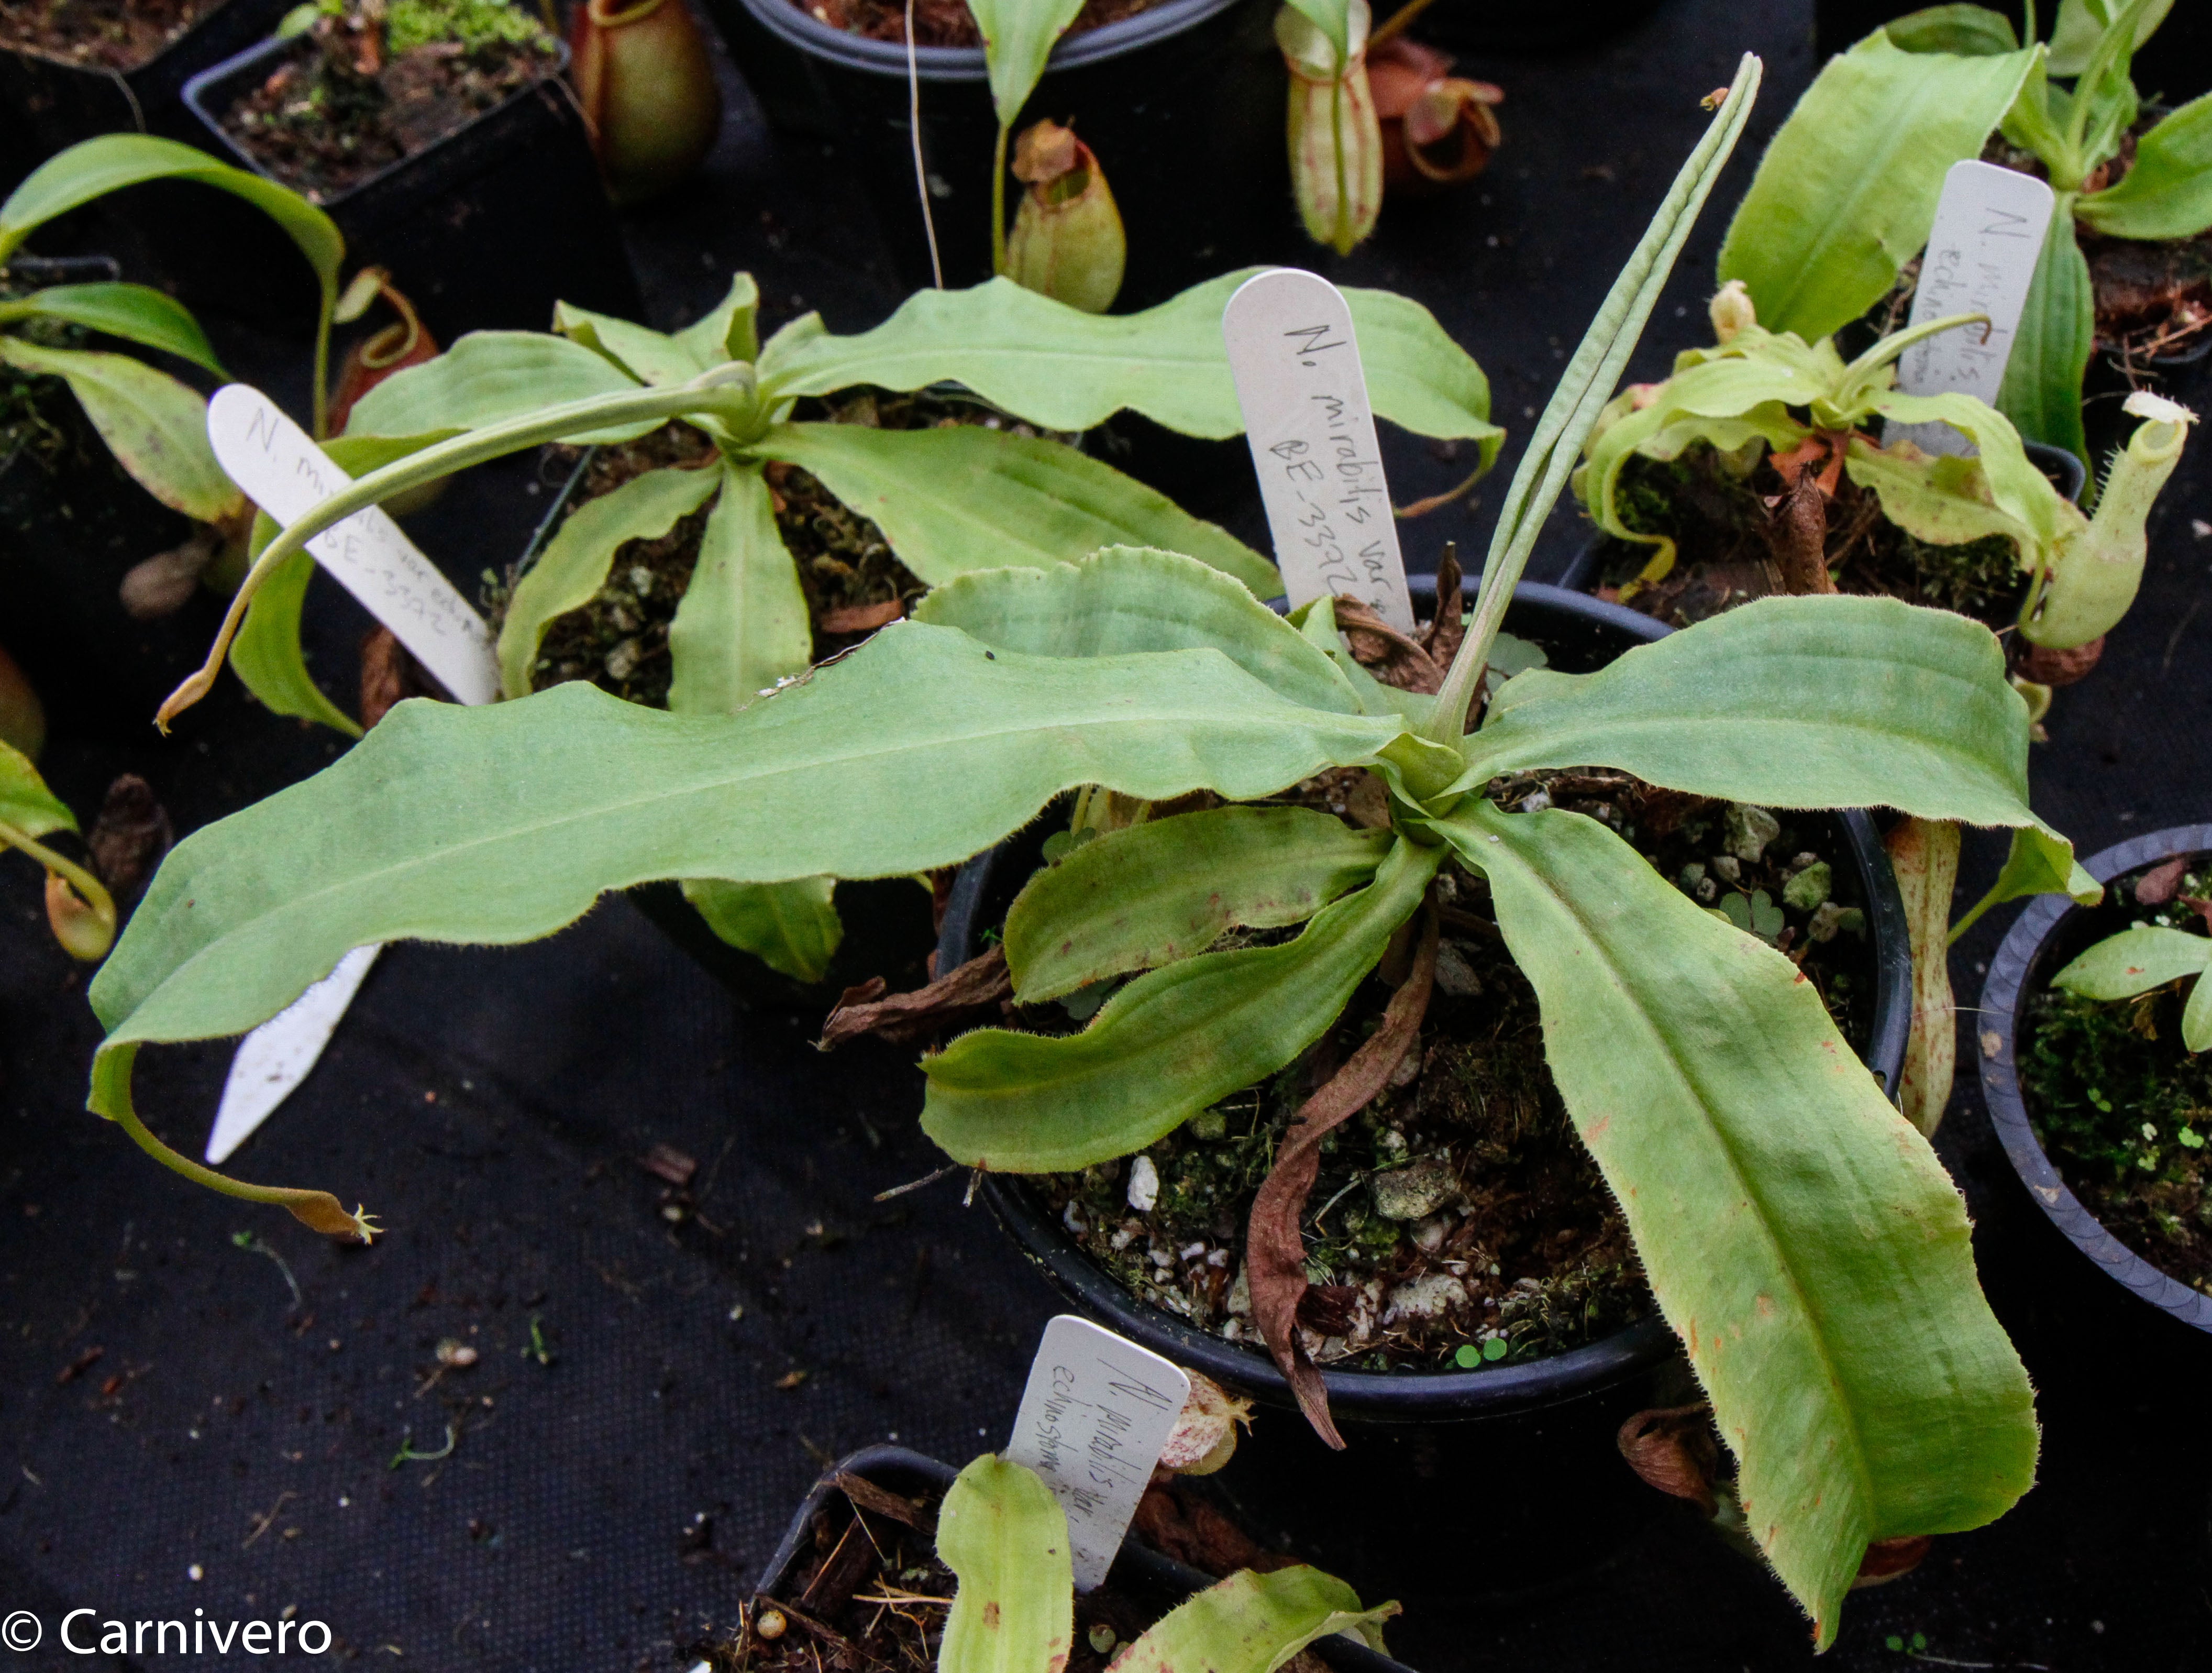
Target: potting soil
pixel 103 35
pixel 653 1214
pixel 372 92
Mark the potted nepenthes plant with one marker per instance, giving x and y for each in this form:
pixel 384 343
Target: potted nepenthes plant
pixel 1178 107
pixel 1754 470
pixel 1796 1233
pixel 1848 188
pixel 114 511
pixel 1468 1261
pixel 71 69
pixel 2093 1026
pixel 895 1556
pixel 440 139
pixel 702 556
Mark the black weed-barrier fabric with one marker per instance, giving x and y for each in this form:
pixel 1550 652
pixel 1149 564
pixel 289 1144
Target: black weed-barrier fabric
pixel 180 1434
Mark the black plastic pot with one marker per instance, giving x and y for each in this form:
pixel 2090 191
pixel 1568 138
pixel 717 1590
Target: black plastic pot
pixel 485 229
pixel 2048 936
pixel 1477 26
pixel 887 920
pixel 1183 105
pixel 72 524
pixel 55 104
pixel 1535 1440
pixel 1584 572
pixel 1138 1570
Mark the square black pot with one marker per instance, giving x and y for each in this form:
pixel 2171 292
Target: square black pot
pixel 485 229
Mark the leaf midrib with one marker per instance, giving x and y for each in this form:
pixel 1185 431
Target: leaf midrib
pixel 1690 1084
pixel 530 833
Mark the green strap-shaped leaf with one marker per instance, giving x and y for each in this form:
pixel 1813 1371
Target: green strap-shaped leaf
pixel 1150 894
pixel 2080 24
pixel 1945 500
pixel 1019 36
pixel 2042 390
pixel 1068 370
pixel 792 927
pixel 155 426
pixel 727 332
pixel 1253 1623
pixel 111 162
pixel 2135 961
pixel 1968 30
pixel 1005 1536
pixel 743 624
pixel 26 803
pixel 2196 1018
pixel 2001 475
pixel 136 313
pixel 1800 1235
pixel 1130 598
pixel 574 564
pixel 964 498
pixel 486 378
pixel 649 357
pixel 502 823
pixel 1725 401
pixel 1168 1044
pixel 266 655
pixel 1789 703
pixel 2167 192
pixel 1847 189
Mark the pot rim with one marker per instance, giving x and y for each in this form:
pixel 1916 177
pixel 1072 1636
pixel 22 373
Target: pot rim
pixel 1151 1568
pixel 1432 1395
pixel 801 29
pixel 2005 989
pixel 204 87
pixel 208 22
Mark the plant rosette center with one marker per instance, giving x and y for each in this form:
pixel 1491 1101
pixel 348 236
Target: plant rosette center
pixel 1457 1221
pixel 852 579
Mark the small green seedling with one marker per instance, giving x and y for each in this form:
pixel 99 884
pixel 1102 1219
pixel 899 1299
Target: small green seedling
pixel 2139 959
pixel 1005 1536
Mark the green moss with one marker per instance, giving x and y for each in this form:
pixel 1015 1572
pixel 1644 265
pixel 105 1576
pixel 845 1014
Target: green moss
pixel 1975 578
pixel 2124 1111
pixel 474 24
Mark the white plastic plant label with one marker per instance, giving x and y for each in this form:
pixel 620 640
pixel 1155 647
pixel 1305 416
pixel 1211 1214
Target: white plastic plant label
pixel 1989 230
pixel 287 476
pixel 1097 1412
pixel 276 1056
pixel 1296 363
pixel 283 470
